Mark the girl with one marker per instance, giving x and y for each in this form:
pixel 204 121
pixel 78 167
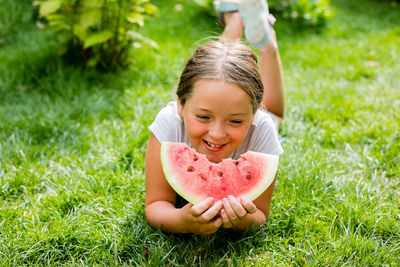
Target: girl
pixel 218 113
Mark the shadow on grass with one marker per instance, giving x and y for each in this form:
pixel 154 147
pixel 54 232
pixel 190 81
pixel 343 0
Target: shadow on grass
pixel 144 245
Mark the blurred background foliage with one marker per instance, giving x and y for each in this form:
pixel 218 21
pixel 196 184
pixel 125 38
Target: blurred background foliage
pixel 99 32
pixel 306 12
pixel 311 13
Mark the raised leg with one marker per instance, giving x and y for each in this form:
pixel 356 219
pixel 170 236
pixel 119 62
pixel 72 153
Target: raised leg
pixel 271 67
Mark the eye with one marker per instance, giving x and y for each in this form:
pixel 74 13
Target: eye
pixel 203 117
pixel 237 122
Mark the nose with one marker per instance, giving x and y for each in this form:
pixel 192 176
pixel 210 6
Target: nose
pixel 217 131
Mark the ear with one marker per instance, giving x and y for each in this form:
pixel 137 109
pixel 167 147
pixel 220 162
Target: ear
pixel 180 108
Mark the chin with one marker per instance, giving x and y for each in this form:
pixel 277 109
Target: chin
pixel 214 158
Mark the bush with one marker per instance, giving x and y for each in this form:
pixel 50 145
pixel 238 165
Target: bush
pixel 102 31
pixel 306 12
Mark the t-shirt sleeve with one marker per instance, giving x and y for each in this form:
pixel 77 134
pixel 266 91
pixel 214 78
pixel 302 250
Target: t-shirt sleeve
pixel 166 125
pixel 265 138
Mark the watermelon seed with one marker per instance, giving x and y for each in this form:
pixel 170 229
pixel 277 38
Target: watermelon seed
pixel 190 168
pixel 220 174
pixel 195 158
pixel 248 175
pixel 236 163
pixel 202 176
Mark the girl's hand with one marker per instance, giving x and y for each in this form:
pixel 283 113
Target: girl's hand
pixel 234 210
pixel 202 218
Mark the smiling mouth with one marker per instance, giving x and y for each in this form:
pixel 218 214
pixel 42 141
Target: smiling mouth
pixel 213 147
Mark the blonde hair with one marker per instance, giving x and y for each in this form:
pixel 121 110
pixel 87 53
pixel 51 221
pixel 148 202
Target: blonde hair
pixel 228 60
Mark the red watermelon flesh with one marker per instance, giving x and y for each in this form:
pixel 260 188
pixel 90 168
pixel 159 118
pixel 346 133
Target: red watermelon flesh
pixel 195 178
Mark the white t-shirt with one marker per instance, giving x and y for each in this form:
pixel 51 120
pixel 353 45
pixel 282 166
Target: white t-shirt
pixel 262 136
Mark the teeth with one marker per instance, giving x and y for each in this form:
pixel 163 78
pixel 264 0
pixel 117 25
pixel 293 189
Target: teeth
pixel 213 145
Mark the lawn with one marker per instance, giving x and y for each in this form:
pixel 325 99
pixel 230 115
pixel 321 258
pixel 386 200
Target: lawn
pixel 72 145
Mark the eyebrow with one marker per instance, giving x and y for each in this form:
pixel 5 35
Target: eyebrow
pixel 233 114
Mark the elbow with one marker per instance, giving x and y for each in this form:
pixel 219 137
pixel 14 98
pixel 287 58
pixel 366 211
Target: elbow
pixel 148 213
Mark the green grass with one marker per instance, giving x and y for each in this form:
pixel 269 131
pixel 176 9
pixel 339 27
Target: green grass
pixel 72 145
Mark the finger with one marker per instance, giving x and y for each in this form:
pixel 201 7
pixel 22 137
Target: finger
pixel 198 209
pixel 237 207
pixel 225 219
pixel 248 205
pixel 230 212
pixel 217 223
pixel 210 227
pixel 210 214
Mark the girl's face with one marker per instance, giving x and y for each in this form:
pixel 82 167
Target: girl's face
pixel 217 118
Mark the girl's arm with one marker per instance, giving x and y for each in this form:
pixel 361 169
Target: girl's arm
pixel 160 202
pixel 272 78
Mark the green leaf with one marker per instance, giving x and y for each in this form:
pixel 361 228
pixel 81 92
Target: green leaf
pixel 48 7
pixel 97 38
pixel 58 25
pixel 134 17
pixel 93 61
pixel 92 3
pixel 150 9
pixel 79 31
pixel 51 17
pixel 202 3
pixel 58 22
pixel 137 36
pixel 90 18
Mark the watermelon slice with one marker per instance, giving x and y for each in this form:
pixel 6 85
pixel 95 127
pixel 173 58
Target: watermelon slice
pixel 195 178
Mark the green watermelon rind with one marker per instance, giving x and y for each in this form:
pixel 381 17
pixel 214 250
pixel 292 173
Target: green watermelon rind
pixel 269 171
pixel 269 175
